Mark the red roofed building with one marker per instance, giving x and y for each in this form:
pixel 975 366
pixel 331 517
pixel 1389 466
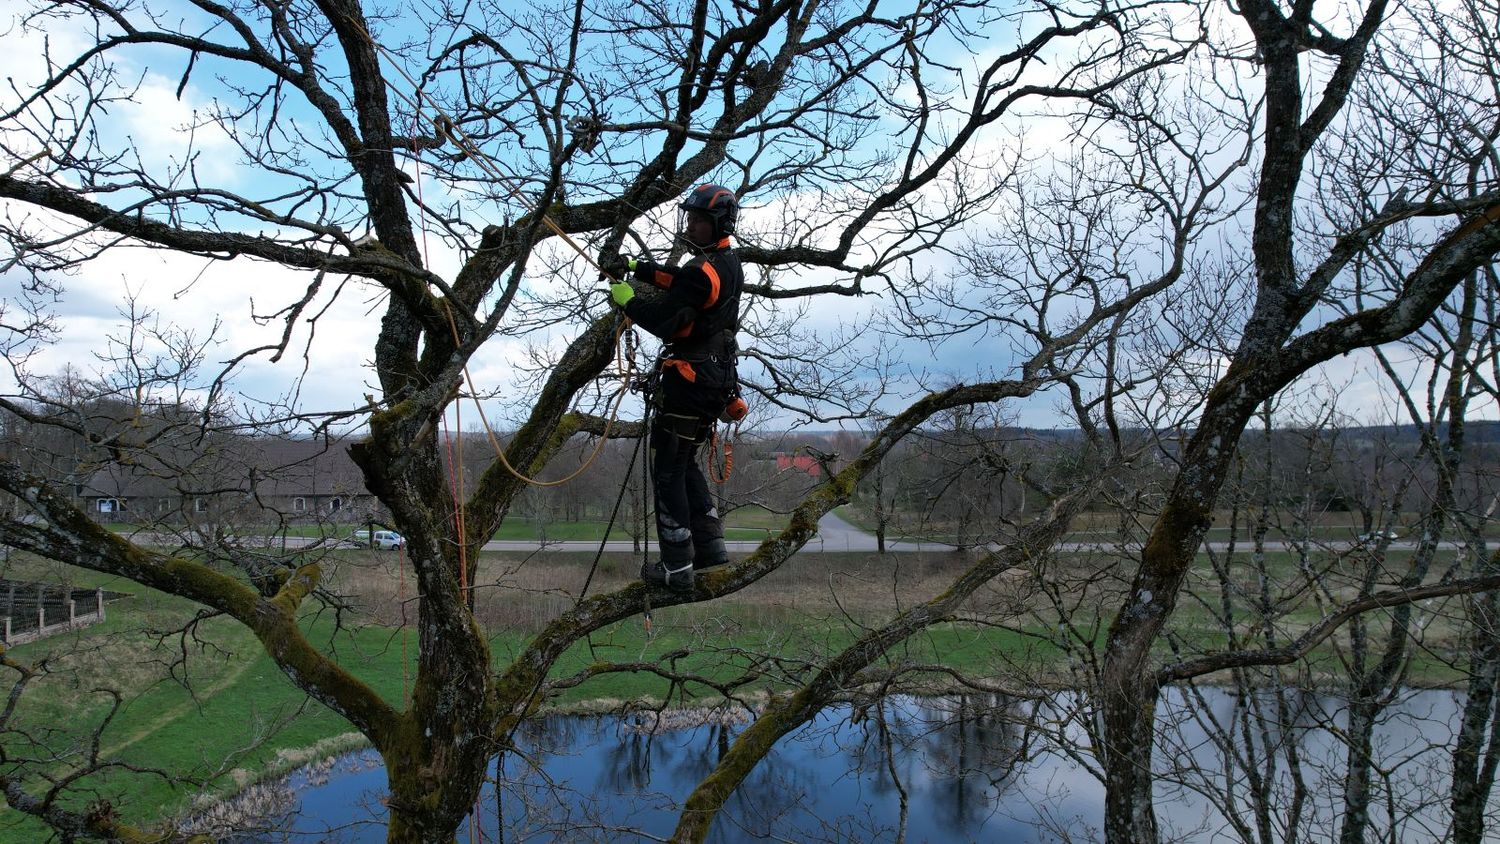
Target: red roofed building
pixel 804 463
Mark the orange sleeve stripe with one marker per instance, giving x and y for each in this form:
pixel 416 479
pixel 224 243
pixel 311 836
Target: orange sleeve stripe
pixel 713 284
pixel 662 279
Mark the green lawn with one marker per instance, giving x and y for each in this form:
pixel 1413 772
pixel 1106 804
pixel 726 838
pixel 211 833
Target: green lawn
pixel 1336 528
pixel 243 717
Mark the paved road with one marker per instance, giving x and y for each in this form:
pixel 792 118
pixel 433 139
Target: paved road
pixel 834 534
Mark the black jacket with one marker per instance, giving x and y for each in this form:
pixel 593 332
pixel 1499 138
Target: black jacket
pixel 697 316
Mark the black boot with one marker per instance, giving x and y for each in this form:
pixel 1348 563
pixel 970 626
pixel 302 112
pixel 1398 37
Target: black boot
pixel 710 561
pixel 656 573
pixel 708 540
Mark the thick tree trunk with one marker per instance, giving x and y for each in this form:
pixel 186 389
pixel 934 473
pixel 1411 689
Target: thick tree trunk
pixel 1475 752
pixel 436 761
pixel 437 765
pixel 1129 689
pixel 1356 814
pixel 1130 733
pixel 432 789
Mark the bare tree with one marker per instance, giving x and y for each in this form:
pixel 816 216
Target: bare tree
pixel 1292 269
pixel 499 132
pixel 861 149
pixel 1331 190
pixel 1381 480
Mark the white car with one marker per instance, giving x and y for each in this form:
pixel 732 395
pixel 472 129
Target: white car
pixel 383 539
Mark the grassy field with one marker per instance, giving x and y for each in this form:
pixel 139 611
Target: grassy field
pixel 226 715
pixel 1106 528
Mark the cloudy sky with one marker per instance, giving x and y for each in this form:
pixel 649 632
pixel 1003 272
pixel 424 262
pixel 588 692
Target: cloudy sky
pixel 203 298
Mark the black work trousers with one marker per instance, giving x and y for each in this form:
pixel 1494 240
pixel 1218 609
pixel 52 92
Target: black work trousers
pixel 688 529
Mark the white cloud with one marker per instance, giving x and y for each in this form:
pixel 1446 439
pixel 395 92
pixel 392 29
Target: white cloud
pixel 172 131
pixel 190 294
pixel 167 128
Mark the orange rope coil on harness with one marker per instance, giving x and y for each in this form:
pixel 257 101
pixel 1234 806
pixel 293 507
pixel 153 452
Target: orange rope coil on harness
pixel 728 462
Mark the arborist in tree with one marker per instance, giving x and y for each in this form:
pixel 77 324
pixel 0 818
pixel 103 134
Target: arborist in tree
pixel 696 315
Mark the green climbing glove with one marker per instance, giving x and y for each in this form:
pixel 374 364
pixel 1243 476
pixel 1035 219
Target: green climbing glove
pixel 621 292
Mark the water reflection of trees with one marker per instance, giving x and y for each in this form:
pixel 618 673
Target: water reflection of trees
pixel 584 778
pixel 954 757
pixel 1258 739
pixel 1255 763
pixel 958 754
pixel 539 797
pixel 1270 763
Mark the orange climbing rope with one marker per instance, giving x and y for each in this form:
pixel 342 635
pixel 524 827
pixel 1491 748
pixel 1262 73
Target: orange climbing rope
pixel 455 447
pixel 728 460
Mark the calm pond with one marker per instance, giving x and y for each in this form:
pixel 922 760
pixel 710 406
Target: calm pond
pixel 973 768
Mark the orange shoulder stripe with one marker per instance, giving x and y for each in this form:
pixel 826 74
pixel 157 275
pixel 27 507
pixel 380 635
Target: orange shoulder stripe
pixel 713 284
